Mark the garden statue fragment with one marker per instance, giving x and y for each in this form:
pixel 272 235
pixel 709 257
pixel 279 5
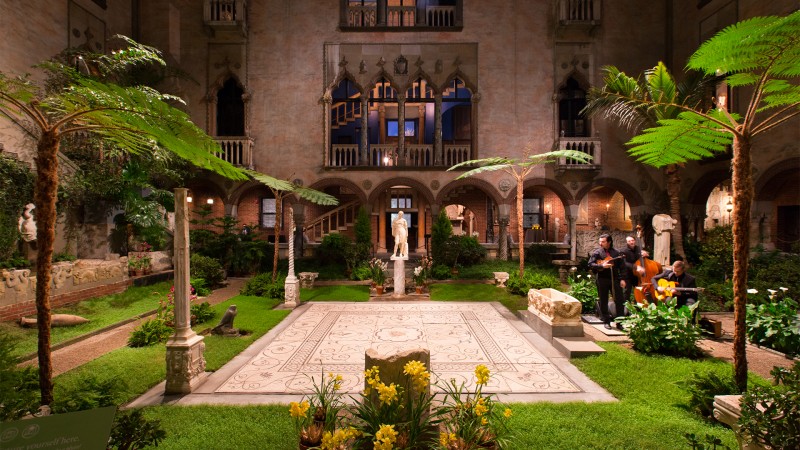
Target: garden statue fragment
pixel 27 224
pixel 57 320
pixel 225 325
pixel 662 224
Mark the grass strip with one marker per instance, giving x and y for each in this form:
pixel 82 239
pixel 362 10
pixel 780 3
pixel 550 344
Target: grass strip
pixel 335 293
pixel 142 368
pixel 477 293
pixel 101 312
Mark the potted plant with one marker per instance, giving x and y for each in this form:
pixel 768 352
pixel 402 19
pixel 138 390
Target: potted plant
pixel 146 262
pixel 134 265
pixel 378 268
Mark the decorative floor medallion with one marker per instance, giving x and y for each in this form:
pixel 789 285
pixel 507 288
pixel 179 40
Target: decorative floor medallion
pixel 332 338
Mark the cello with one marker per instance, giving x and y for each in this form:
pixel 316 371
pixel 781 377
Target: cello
pixel 651 269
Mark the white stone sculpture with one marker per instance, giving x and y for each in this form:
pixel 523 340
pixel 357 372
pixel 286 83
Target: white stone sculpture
pixel 400 234
pixel 27 224
pixel 662 224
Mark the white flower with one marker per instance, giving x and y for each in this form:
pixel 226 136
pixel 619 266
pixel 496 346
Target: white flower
pixel 752 291
pixel 580 276
pixel 772 291
pixel 417 270
pixel 783 289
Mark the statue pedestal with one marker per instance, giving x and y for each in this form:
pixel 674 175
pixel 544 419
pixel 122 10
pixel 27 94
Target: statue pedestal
pixel 399 275
pixel 186 366
pixel 292 292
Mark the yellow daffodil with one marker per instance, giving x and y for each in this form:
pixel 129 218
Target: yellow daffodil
pixel 387 394
pixel 298 410
pixel 482 374
pixel 385 438
pixel 507 413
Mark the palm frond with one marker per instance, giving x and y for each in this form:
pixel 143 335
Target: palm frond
pixel 555 155
pixel 315 196
pixel 271 182
pixel 689 137
pixel 306 193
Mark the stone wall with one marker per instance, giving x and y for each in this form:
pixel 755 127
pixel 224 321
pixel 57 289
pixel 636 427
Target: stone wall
pixel 71 282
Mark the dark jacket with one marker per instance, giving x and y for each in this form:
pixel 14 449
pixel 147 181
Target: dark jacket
pixel 684 281
pixel 596 264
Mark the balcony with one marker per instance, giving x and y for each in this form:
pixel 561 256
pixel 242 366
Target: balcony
pixel 387 156
pixel 587 145
pixel 226 18
pixel 581 16
pixel 374 17
pixel 237 150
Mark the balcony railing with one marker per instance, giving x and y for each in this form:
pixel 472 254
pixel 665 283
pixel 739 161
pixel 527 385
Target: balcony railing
pixel 387 155
pixel 366 16
pixel 226 15
pixel 589 146
pixel 237 150
pixel 579 11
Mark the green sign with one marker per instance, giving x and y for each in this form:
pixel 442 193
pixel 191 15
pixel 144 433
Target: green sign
pixel 86 430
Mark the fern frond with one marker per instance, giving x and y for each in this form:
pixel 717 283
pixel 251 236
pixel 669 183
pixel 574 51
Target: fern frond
pixel 674 141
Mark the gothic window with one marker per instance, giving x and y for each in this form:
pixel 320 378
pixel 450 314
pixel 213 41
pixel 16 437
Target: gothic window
pixel 230 109
pixel 268 213
pixel 531 212
pixel 456 113
pixel 572 99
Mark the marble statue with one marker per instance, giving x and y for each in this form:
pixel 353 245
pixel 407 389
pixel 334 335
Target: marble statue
pixel 662 224
pixel 400 234
pixel 27 224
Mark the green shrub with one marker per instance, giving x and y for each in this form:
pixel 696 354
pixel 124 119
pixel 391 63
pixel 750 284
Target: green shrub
pixel 540 255
pixel 717 296
pixel 149 333
pixel 441 230
pixel 91 392
pixel 583 288
pixel 775 325
pixel 770 414
pixel 201 312
pixel 19 386
pixel 702 387
pixel 440 272
pixel 208 269
pixel 16 261
pixel 333 248
pixel 200 286
pixel 261 285
pixel 16 190
pixel 662 328
pixel 361 273
pixel 63 256
pixel 770 270
pixel 132 430
pixel 531 280
pixel 471 251
pixel 716 254
pixel 249 257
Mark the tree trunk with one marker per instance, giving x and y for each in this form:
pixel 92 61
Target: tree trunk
pixel 742 187
pixel 278 219
pixel 674 191
pixel 520 231
pixel 45 199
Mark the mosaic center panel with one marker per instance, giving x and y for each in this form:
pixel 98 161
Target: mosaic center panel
pixel 332 338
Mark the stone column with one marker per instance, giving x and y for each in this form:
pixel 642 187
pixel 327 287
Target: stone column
pixel 399 275
pixel 437 130
pixel 299 222
pixel 327 102
pixel 364 145
pixel 503 212
pixel 185 362
pixel 292 285
pixel 402 157
pixel 572 218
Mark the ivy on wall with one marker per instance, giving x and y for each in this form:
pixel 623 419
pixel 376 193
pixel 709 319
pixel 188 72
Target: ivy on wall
pixel 16 190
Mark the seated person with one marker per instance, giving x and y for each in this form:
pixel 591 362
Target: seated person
pixel 682 279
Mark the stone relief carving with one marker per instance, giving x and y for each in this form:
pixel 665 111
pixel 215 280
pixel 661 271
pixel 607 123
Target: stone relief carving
pixel 61 273
pixel 505 184
pixel 435 185
pixel 557 307
pixel 366 184
pixel 27 223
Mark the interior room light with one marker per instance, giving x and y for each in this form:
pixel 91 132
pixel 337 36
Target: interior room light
pixel 189 199
pixel 385 160
pixel 210 201
pixel 547 208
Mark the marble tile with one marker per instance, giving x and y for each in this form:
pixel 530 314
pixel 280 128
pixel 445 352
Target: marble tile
pixel 332 338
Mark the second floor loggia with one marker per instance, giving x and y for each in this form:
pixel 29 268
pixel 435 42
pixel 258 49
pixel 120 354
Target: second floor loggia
pixel 381 129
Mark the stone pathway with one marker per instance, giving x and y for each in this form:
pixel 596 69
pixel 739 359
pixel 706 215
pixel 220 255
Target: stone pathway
pixel 319 338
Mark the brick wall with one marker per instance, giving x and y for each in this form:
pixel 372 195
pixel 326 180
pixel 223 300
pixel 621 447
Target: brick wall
pixel 17 310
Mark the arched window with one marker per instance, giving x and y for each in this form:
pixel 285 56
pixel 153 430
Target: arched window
pixel 230 109
pixel 572 99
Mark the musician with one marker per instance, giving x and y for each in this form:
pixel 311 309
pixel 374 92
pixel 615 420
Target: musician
pixel 633 254
pixel 609 268
pixel 682 279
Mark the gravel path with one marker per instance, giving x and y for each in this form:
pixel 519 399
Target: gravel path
pixel 90 348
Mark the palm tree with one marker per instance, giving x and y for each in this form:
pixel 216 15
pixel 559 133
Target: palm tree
pixel 134 119
pixel 519 169
pixel 281 189
pixel 762 56
pixel 613 101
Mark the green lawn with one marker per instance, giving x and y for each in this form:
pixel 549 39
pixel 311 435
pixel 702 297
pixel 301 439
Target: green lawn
pixel 335 293
pixel 101 312
pixel 649 415
pixel 477 293
pixel 142 368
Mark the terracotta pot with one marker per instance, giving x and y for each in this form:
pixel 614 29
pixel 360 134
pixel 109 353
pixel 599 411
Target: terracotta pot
pixel 419 289
pixel 139 272
pixel 379 290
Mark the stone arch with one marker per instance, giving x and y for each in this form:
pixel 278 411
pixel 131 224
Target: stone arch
pixel 341 76
pixel 578 76
pixel 236 194
pixel 327 182
pixel 383 74
pixel 425 76
pixel 416 184
pixel 483 185
pixel 700 190
pixel 632 195
pixel 768 185
pixel 211 98
pixel 473 89
pixel 562 192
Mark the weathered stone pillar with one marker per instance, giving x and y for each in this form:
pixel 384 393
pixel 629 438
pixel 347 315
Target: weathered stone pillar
pixel 363 149
pixel 185 362
pixel 437 130
pixel 502 244
pixel 292 285
pixel 572 217
pixel 327 102
pixel 399 275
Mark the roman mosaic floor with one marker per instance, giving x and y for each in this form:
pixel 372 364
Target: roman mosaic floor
pixel 332 337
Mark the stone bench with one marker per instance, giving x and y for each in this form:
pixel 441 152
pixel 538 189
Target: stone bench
pixel 307 279
pixel 500 278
